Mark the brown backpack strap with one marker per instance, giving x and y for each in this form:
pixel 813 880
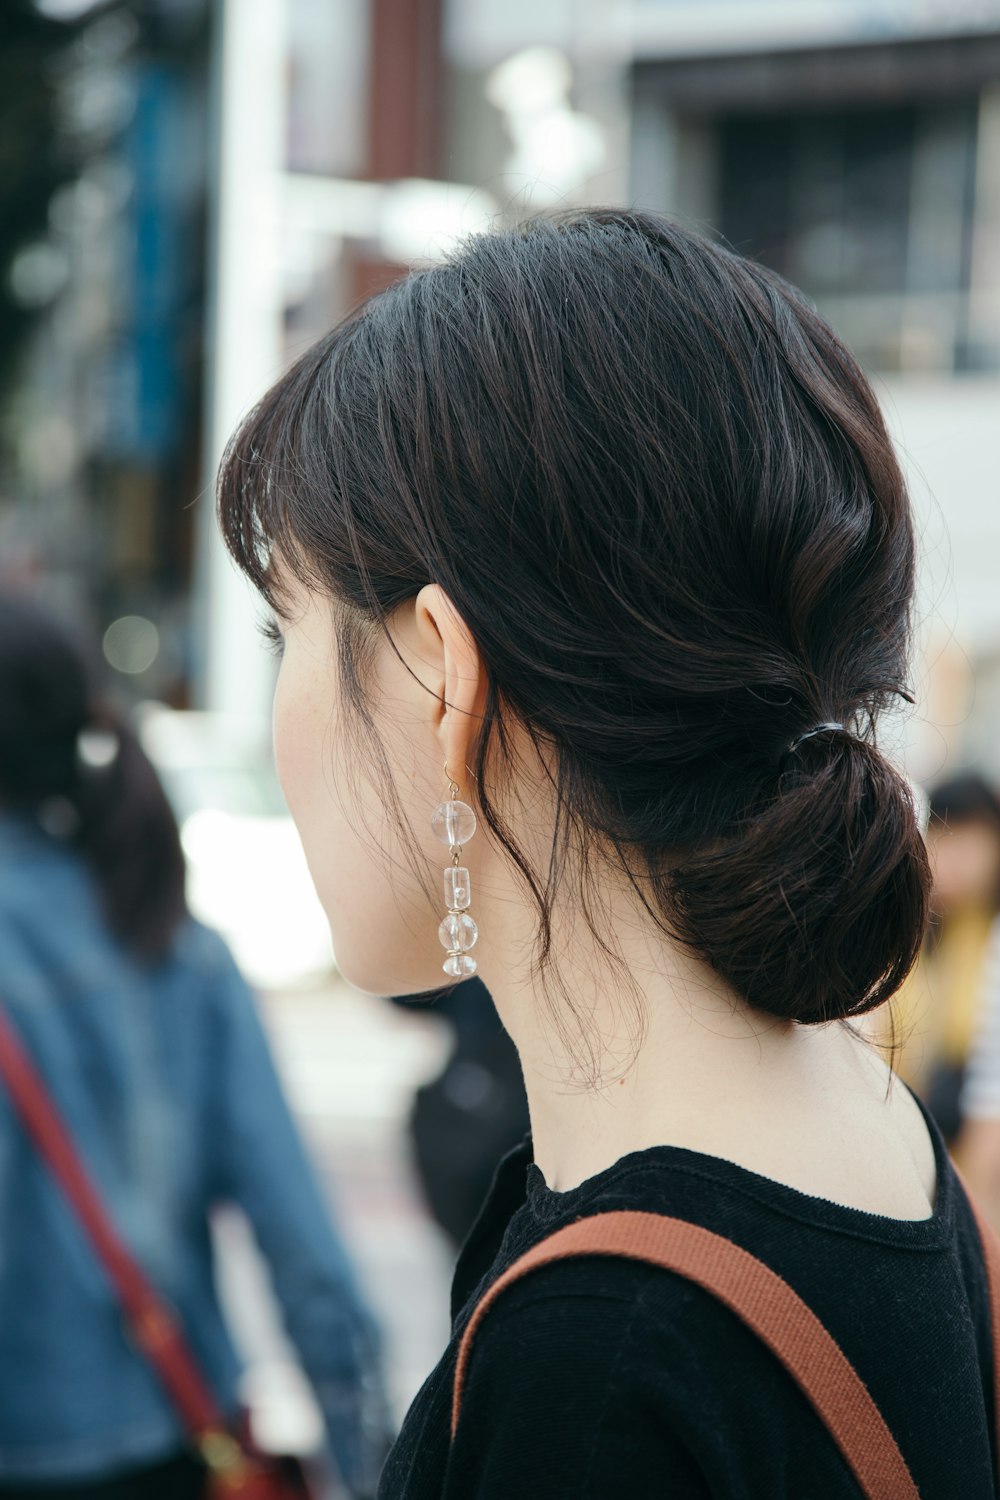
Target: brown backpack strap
pixel 761 1299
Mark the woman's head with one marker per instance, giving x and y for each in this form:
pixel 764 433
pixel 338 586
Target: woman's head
pixel 606 514
pixel 69 760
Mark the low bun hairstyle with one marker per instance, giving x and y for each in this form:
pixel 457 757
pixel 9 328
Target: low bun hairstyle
pixel 109 806
pixel 661 494
pixel 802 908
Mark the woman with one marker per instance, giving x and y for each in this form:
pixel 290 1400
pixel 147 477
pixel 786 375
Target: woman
pixel 937 1011
pixel 591 556
pixel 148 1043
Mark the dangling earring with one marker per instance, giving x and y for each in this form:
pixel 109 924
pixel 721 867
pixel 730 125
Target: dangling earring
pixel 454 823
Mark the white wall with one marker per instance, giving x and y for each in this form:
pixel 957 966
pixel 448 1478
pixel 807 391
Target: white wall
pixel 948 434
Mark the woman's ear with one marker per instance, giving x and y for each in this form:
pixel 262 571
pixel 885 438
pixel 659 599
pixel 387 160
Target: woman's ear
pixel 447 642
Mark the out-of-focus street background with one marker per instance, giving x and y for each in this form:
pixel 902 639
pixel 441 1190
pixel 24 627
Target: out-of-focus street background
pixel 191 191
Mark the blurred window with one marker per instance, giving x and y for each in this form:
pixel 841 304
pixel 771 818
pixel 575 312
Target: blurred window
pixel 871 212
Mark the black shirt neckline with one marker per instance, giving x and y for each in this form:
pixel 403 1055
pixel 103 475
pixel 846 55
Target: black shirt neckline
pixel 649 1388
pixel 548 1205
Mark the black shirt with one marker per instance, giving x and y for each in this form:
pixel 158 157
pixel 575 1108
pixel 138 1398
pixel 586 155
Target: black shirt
pixel 595 1378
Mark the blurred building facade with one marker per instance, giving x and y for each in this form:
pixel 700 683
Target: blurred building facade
pixel 861 166
pixel 249 168
pixel 100 453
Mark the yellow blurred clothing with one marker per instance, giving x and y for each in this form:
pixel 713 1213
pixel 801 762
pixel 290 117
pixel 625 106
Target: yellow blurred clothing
pixel 936 1011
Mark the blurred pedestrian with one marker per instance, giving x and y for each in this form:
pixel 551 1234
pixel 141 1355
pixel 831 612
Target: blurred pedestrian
pixel 464 1121
pixel 593 564
pixel 148 1045
pixel 978 1145
pixel 936 1012
pixel 977 1148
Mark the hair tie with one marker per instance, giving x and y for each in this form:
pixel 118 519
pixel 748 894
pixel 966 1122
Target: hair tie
pixel 829 728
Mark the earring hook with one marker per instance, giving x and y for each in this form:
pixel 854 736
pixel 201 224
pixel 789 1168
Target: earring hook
pixel 453 785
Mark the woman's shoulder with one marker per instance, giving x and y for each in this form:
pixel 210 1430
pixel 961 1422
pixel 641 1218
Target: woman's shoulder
pixel 846 1264
pixel 33 866
pixel 199 947
pixel 579 1317
pixel 583 1323
pixel 614 1350
pixel 200 967
pixel 619 1375
pixel 803 1236
pixel 576 1378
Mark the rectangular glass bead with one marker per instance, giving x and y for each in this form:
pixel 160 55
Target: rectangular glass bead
pixel 457 888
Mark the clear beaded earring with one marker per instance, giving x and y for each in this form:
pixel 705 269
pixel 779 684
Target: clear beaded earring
pixel 454 823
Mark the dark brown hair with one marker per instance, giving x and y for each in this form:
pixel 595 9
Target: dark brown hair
pixel 120 820
pixel 660 493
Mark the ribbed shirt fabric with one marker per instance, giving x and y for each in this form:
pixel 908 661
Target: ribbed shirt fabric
pixel 598 1378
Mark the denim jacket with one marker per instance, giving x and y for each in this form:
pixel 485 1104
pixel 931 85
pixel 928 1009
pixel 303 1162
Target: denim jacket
pixel 165 1081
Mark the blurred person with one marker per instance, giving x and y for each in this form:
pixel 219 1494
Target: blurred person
pixel 593 566
pixel 464 1121
pixel 936 1010
pixel 147 1040
pixel 977 1148
pixel 978 1145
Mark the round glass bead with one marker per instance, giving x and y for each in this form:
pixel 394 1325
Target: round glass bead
pixel 458 931
pixel 460 965
pixel 453 823
pixel 457 888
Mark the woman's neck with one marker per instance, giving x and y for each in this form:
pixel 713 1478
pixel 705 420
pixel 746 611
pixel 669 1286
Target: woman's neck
pixel 655 1050
pixel 700 1070
pixel 618 1055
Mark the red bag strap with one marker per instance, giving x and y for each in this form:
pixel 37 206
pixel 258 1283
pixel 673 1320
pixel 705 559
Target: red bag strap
pixel 153 1325
pixel 761 1299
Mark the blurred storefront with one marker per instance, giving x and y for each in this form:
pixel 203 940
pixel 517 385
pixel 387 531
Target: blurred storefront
pixel 244 170
pixel 101 421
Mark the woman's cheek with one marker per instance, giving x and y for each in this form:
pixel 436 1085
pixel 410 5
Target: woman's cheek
pixel 302 757
pixel 282 740
pixel 294 750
